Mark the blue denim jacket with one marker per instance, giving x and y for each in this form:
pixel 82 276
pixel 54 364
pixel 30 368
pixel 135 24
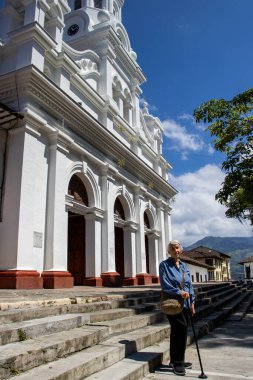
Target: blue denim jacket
pixel 171 278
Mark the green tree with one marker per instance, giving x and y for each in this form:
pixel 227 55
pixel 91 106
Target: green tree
pixel 231 124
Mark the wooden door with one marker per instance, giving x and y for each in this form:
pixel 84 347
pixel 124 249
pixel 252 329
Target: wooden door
pixel 119 251
pixel 76 247
pixel 147 253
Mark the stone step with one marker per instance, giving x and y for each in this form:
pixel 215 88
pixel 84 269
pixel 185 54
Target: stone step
pixel 21 356
pixel 42 312
pixel 217 317
pixel 99 357
pixel 9 316
pixel 132 323
pixel 210 287
pixel 136 365
pixel 243 308
pixel 20 331
pixel 226 298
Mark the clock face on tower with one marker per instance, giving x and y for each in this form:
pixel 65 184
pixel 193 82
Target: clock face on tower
pixel 73 29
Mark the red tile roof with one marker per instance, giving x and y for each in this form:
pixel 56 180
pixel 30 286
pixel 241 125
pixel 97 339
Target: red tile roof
pixel 246 260
pixel 205 252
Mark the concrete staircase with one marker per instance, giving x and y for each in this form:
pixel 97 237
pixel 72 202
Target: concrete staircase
pixel 124 337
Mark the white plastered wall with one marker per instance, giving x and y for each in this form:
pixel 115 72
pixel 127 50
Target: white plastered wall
pixel 202 272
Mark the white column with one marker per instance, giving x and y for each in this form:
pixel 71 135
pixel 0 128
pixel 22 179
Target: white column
pixel 140 235
pixel 162 243
pixel 130 250
pixel 110 6
pixel 136 107
pixel 56 215
pixel 167 225
pixel 55 29
pixel 108 243
pixel 35 10
pixel 10 225
pixel 105 83
pixel 153 254
pixel 93 245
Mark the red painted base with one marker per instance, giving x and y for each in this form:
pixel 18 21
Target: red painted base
pixel 93 281
pixel 130 281
pixel 20 279
pixel 155 279
pixel 57 280
pixel 111 279
pixel 144 279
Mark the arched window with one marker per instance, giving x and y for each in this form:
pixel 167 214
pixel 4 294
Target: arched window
pixel 118 209
pixel 78 190
pixel 98 4
pixel 146 221
pixel 78 4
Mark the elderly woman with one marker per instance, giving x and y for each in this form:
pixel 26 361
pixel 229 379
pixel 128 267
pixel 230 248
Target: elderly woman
pixel 173 272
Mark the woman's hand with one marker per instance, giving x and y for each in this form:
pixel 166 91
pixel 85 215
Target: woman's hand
pixel 185 295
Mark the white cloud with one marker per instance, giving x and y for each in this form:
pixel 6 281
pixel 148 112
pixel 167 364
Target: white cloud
pixel 151 108
pixel 196 213
pixel 180 138
pixel 186 116
pixel 210 149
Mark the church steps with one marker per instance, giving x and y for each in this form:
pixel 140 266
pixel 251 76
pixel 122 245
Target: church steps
pixel 23 314
pixel 136 365
pixel 203 293
pixel 20 331
pixel 118 346
pixel 34 352
pixel 16 332
pixel 62 355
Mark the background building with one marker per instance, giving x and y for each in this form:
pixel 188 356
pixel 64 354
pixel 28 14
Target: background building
pixel 85 197
pixel 218 262
pixel 200 272
pixel 247 268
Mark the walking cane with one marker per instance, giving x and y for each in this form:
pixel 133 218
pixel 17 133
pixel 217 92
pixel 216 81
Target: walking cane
pixel 202 375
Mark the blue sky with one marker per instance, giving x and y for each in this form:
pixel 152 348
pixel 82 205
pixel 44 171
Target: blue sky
pixel 192 51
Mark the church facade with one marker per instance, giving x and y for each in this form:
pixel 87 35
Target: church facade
pixel 85 197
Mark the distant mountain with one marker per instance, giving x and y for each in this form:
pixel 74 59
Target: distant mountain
pixel 236 247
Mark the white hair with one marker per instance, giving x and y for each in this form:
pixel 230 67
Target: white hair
pixel 172 243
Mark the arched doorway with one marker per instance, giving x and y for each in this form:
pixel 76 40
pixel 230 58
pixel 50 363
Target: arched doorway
pixel 76 231
pixel 119 216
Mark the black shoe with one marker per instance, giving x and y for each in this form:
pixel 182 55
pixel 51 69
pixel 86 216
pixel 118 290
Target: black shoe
pixel 187 365
pixel 179 369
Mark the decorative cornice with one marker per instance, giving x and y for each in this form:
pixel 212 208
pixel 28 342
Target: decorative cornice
pixel 48 95
pixel 30 32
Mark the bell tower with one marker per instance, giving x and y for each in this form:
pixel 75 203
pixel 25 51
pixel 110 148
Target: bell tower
pixel 110 6
pixel 88 15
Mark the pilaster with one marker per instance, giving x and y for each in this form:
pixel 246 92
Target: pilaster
pixel 109 274
pixel 162 242
pixel 142 276
pixel 55 274
pixel 153 238
pixel 35 10
pixel 93 249
pixel 130 254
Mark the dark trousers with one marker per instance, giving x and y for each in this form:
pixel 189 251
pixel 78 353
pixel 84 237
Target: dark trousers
pixel 178 335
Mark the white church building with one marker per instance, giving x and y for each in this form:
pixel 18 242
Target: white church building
pixel 84 197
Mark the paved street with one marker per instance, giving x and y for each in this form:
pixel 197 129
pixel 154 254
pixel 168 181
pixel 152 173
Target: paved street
pixel 226 353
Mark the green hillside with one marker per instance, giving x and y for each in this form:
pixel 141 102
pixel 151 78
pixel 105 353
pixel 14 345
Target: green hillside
pixel 236 247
